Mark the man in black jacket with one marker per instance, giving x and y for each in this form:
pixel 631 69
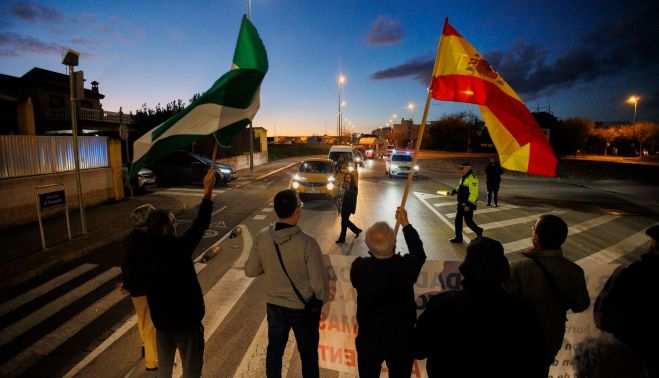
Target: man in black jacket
pixel 386 307
pixel 174 293
pixel 480 331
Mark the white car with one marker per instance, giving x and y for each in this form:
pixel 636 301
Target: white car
pixel 399 164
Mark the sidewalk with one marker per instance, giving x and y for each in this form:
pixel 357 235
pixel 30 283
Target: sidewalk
pixel 22 256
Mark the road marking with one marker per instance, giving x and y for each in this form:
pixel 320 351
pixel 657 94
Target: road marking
pixel 269 182
pixel 259 217
pixel 51 341
pixel 192 190
pixel 127 326
pixel 441 217
pixel 514 221
pixel 217 211
pixel 44 288
pixel 428 195
pixel 253 362
pixel 184 194
pixel 614 252
pixel 267 209
pixel 438 204
pixel 276 170
pixel 11 332
pixel 488 210
pixel 572 230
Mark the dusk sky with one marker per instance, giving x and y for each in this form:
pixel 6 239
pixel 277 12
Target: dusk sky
pixel 582 58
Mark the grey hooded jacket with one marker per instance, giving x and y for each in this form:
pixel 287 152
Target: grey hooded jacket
pixel 303 260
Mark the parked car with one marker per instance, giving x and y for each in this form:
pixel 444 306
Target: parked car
pixel 183 167
pixel 145 178
pixel 315 177
pixel 226 169
pixel 399 164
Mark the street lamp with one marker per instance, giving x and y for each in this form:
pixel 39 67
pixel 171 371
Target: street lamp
pixel 410 106
pixel 634 100
pixel 341 80
pixel 71 60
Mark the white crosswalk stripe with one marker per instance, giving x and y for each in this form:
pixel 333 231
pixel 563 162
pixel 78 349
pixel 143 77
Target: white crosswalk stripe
pixel 11 332
pixel 514 221
pixel 44 288
pixel 618 250
pixel 487 210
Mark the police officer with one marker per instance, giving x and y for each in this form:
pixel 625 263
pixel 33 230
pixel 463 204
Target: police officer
pixel 467 191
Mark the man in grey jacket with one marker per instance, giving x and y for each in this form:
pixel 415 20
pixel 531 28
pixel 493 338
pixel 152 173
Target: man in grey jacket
pixel 303 261
pixel 549 281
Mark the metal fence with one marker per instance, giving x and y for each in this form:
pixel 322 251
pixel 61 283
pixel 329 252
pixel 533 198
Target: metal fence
pixel 28 155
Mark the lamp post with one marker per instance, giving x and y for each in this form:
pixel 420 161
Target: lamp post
pixel 634 100
pixel 410 106
pixel 341 80
pixel 71 60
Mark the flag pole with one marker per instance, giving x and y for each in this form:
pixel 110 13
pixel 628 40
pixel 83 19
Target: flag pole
pixel 422 128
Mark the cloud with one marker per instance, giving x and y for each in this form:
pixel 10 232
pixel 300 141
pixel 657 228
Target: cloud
pixel 625 44
pixel 384 31
pixel 14 45
pixel 35 13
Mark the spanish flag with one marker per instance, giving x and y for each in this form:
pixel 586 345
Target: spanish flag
pixel 462 74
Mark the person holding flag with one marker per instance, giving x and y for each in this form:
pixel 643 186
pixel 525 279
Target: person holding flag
pixel 467 191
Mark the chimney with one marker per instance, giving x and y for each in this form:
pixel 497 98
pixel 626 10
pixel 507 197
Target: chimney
pixel 95 86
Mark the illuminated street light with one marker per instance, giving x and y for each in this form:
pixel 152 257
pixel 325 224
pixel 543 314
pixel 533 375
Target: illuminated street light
pixel 634 100
pixel 411 107
pixel 339 126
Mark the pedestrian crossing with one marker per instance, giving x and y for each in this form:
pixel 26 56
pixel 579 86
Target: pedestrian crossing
pixel 508 223
pixel 511 224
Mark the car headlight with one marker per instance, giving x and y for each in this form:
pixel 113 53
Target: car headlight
pixel 297 177
pixel 224 170
pixel 331 179
pixel 296 184
pixel 330 186
pixel 416 167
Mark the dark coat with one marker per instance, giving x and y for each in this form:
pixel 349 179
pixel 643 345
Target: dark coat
pixel 493 173
pixel 174 294
pixel 628 307
pixel 386 306
pixel 133 269
pixel 349 203
pixel 480 331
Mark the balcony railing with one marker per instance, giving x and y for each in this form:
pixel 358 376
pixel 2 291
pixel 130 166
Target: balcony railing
pixel 88 114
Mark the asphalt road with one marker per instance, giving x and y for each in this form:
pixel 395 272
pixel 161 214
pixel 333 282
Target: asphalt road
pixel 92 333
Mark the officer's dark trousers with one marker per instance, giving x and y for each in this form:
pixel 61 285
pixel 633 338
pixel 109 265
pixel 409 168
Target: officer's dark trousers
pixel 392 346
pixel 469 219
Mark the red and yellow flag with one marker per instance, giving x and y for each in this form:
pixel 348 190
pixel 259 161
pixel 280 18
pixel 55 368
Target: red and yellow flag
pixel 462 74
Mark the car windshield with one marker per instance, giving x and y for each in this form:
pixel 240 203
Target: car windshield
pixel 334 155
pixel 203 159
pixel 401 158
pixel 316 167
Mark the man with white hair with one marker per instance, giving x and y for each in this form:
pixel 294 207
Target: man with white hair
pixel 386 307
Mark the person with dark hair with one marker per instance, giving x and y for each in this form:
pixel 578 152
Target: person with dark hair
pixel 493 173
pixel 549 281
pixel 386 307
pixel 467 191
pixel 292 264
pixel 628 306
pixel 485 325
pixel 606 357
pixel 174 294
pixel 348 202
pixel 133 277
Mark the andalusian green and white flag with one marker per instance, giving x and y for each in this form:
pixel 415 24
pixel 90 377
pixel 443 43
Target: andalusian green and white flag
pixel 224 110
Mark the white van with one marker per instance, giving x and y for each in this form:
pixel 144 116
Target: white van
pixel 349 156
pixel 346 151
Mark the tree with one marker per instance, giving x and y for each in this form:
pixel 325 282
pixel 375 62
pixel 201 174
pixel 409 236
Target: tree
pixel 647 134
pixel 448 133
pixel 571 135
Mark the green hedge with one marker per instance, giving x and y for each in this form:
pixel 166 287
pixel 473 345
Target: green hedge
pixel 280 151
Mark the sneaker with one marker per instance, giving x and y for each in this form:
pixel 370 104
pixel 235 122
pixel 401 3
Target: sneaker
pixel 456 240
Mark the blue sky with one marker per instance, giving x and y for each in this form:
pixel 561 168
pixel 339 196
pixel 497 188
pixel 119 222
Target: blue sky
pixel 582 58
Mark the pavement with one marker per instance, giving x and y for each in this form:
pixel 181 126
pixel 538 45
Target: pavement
pixel 22 257
pixel 21 253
